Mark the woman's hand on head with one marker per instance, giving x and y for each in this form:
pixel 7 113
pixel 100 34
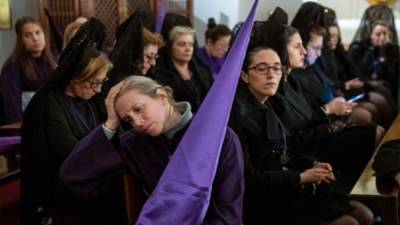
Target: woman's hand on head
pixel 112 116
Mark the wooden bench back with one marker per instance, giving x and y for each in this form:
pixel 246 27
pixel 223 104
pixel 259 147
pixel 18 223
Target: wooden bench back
pixel 384 200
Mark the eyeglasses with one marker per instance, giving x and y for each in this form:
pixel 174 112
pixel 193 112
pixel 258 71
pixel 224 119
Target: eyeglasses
pixel 315 48
pixel 263 68
pixel 151 57
pixel 95 83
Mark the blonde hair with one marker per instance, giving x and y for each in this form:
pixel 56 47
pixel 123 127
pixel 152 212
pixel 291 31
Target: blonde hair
pixel 95 66
pixel 145 86
pixel 150 38
pixel 180 30
pixel 71 30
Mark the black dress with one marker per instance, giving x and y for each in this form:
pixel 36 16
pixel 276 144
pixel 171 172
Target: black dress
pixel 53 124
pixel 193 90
pixel 347 70
pixel 378 64
pixel 339 148
pixel 273 193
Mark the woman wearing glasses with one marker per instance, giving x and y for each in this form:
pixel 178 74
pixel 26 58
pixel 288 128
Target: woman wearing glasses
pixel 57 118
pixel 136 49
pixel 283 185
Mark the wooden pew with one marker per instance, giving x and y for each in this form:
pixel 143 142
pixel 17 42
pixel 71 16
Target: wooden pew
pixel 384 200
pixel 134 198
pixel 10 129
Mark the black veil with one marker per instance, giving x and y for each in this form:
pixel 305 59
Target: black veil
pixel 374 13
pixel 314 14
pixel 127 55
pixel 172 20
pixel 84 46
pixel 264 33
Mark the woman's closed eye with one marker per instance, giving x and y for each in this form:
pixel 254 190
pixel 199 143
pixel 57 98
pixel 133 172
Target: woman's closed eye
pixel 127 119
pixel 137 109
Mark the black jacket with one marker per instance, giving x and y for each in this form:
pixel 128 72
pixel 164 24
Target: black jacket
pixel 273 194
pixel 194 91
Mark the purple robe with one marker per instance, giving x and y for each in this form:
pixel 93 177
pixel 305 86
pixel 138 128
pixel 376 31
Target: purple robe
pixel 213 63
pixel 13 82
pixel 145 158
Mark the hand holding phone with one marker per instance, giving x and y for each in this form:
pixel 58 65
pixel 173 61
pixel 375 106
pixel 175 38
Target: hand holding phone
pixel 355 98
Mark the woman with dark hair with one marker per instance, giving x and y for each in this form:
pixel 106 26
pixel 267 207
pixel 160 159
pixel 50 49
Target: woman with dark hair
pixel 26 70
pixel 321 128
pixel 314 14
pixel 375 51
pixel 58 116
pixel 283 185
pixel 177 68
pixel 317 83
pixel 350 78
pixel 217 39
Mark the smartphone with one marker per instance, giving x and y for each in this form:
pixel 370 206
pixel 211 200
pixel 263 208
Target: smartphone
pixel 355 98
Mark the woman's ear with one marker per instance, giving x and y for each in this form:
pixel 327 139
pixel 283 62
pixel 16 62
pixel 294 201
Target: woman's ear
pixel 244 76
pixel 74 81
pixel 160 92
pixel 208 42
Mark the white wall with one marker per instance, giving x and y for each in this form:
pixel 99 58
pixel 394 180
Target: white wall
pixel 223 11
pixel 349 13
pixel 230 12
pixel 266 6
pixel 7 37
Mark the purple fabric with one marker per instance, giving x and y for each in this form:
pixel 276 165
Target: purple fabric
pixel 90 157
pixel 162 7
pixel 9 143
pixel 214 64
pixel 13 82
pixel 184 190
pixel 145 158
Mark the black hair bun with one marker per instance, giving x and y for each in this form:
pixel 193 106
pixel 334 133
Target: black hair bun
pixel 211 23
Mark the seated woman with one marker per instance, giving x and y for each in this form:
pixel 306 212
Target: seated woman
pixel 374 50
pixel 328 138
pixel 283 185
pixel 136 49
pixel 159 124
pixel 350 78
pixel 58 116
pixel 217 39
pixel 178 69
pixel 26 70
pixel 319 86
